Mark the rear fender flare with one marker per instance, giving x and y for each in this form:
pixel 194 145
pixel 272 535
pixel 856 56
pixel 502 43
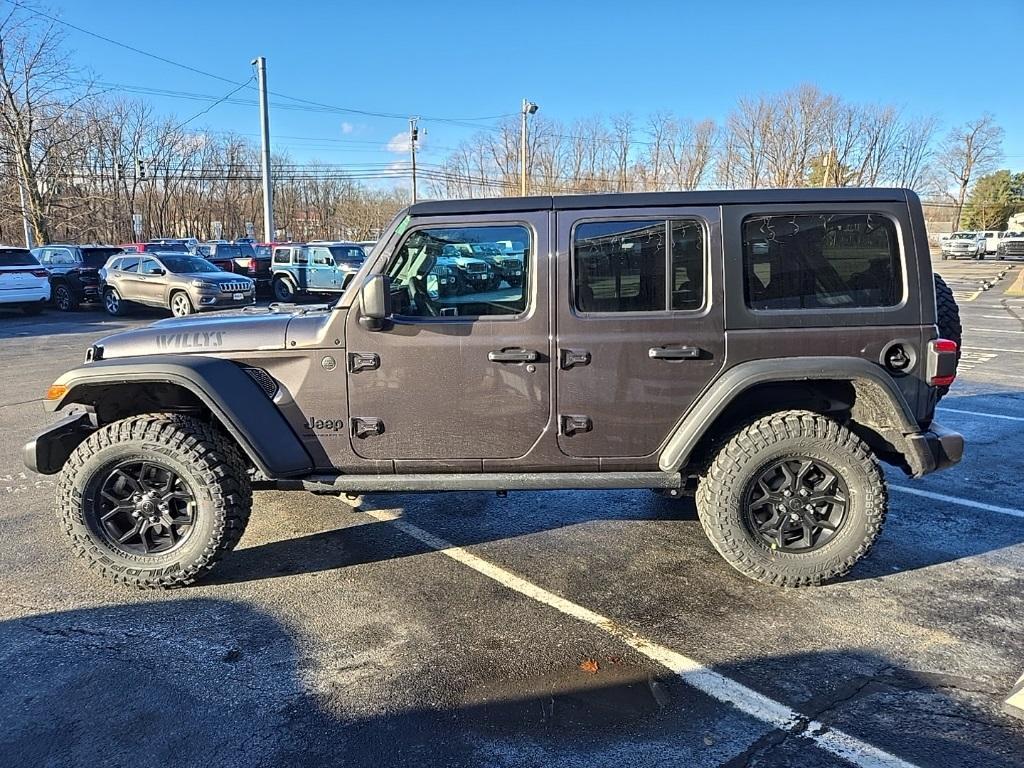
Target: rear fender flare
pixel 869 379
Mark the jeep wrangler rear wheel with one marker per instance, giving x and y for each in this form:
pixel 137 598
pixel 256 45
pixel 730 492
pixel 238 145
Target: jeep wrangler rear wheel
pixel 154 501
pixel 794 499
pixel 283 290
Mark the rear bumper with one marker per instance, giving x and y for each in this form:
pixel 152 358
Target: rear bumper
pixel 46 453
pixel 934 449
pixel 30 295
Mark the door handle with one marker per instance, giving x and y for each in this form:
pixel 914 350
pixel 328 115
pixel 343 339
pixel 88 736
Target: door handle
pixel 674 353
pixel 512 356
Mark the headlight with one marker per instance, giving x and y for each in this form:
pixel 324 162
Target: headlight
pixel 203 285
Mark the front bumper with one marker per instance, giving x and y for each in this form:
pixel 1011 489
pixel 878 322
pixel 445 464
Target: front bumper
pixel 222 300
pixel 46 453
pixel 934 449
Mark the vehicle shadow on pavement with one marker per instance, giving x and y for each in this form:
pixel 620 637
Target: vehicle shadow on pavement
pixel 15 325
pixel 215 682
pixel 464 518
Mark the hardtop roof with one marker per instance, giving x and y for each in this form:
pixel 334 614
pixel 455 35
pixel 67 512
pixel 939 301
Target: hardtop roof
pixel 663 199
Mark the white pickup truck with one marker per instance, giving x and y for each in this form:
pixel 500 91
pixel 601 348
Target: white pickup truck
pixel 970 244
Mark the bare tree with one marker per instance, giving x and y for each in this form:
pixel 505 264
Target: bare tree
pixel 967 152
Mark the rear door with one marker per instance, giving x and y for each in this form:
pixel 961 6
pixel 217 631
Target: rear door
pixel 321 268
pixel 640 325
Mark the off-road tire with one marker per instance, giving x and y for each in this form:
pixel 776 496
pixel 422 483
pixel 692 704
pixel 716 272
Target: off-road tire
pixel 283 290
pixel 948 319
pixel 722 493
pixel 64 298
pixel 200 454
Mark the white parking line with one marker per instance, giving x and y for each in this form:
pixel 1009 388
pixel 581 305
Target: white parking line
pixel 944 409
pixel 993 330
pixel 957 500
pixel 690 671
pixel 990 349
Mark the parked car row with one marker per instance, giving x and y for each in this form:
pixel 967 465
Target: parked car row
pixel 979 244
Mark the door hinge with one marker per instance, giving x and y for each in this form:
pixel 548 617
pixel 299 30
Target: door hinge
pixel 573 357
pixel 363 361
pixel 363 426
pixel 573 423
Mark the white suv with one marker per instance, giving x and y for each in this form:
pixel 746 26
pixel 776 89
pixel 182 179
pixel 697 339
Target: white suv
pixel 24 283
pixel 970 244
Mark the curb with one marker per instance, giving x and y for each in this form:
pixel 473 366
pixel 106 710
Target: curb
pixel 1014 704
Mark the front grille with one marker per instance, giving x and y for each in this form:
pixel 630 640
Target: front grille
pixel 1013 247
pixel 234 287
pixel 476 268
pixel 266 382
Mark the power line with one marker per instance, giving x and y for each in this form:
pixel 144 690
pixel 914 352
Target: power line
pixel 196 70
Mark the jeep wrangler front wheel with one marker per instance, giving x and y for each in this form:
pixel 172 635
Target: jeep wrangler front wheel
pixel 154 501
pixel 794 499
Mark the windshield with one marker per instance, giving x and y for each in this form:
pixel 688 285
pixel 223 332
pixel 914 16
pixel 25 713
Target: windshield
pixel 965 236
pixel 97 257
pixel 187 265
pixel 349 254
pixel 17 257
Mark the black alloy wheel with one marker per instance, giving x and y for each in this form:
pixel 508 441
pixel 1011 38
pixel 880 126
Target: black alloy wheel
pixel 145 508
pixel 796 504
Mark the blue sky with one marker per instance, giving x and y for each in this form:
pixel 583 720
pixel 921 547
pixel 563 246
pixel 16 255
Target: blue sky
pixel 477 59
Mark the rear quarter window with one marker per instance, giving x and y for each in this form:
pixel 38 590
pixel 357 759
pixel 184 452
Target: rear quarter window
pixel 821 261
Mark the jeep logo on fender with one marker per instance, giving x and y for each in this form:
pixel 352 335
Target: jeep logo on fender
pixel 197 340
pixel 326 425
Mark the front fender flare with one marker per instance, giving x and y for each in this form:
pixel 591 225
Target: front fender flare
pixel 232 396
pixel 735 381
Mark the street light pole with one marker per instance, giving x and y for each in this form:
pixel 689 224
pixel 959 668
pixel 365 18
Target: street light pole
pixel 268 195
pixel 529 108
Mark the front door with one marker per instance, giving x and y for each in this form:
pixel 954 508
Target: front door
pixel 453 376
pixel 640 325
pixel 149 285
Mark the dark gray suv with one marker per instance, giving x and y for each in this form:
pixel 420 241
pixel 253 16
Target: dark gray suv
pixel 764 350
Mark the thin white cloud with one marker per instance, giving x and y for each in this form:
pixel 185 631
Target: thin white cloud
pixel 347 128
pixel 399 143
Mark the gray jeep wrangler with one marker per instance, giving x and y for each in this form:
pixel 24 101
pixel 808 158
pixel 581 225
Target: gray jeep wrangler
pixel 764 350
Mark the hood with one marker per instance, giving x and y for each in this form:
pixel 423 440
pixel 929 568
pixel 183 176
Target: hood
pixel 240 331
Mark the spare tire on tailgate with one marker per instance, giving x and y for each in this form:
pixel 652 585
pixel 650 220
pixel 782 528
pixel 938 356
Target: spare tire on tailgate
pixel 948 319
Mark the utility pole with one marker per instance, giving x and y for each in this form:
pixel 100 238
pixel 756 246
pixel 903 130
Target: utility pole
pixel 529 108
pixel 414 136
pixel 268 199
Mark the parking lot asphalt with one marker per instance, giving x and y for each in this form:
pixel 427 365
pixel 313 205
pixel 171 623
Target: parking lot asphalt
pixel 576 629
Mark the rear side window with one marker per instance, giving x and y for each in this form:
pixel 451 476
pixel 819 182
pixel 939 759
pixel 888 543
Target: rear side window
pixel 821 261
pixel 282 256
pixel 129 264
pixel 17 257
pixel 97 257
pixel 639 266
pixel 301 256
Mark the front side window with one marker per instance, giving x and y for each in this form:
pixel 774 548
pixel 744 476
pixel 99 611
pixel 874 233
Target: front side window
pixel 821 261
pixel 435 272
pixel 321 256
pixel 149 267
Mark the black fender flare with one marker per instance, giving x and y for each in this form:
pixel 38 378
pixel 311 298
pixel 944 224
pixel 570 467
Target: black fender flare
pixel 732 383
pixel 223 386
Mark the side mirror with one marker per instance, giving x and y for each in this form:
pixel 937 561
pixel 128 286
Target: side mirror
pixel 158 271
pixel 375 302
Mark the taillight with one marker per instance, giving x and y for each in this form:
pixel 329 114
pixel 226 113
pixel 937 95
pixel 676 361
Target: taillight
pixel 40 273
pixel 942 360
